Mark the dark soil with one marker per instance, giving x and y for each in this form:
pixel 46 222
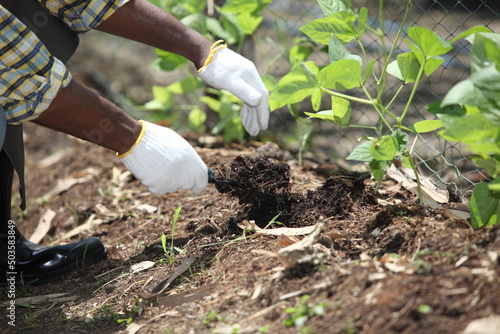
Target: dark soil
pixel 380 264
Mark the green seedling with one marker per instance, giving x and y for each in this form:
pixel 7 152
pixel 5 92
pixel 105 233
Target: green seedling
pixel 299 315
pixel 348 78
pixel 170 250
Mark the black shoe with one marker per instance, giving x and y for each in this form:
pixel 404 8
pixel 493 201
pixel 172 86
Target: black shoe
pixel 35 264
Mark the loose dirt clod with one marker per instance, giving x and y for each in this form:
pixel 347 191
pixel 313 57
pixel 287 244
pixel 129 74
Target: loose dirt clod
pixel 263 187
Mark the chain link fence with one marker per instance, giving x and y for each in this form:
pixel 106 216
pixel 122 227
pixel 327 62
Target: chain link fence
pixel 447 163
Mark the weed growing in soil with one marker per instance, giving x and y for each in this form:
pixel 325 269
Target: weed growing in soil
pixel 171 251
pixel 299 315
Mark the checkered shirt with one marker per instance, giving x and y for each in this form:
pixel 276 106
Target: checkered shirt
pixel 30 77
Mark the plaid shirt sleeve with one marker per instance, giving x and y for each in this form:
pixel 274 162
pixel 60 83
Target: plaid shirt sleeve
pixel 82 15
pixel 30 77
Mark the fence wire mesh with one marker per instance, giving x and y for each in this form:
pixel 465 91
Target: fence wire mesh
pixel 446 162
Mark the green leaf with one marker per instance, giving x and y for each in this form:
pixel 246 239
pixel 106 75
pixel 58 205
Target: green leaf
pixel 330 7
pixel 427 125
pixel 401 140
pixel 341 24
pixel 405 67
pixel 249 22
pixel 384 148
pixel 453 109
pixel 361 152
pixel 269 81
pixel 232 27
pixel 343 74
pixel 326 115
pixel 215 27
pixel 299 53
pixel 162 99
pixel 484 206
pixel 168 61
pixel 342 111
pixel 481 90
pixel 362 20
pixel 424 309
pixel 368 70
pixel 485 51
pixel 197 117
pixel 337 51
pixel 186 85
pixel 340 114
pixel 405 161
pixel 469 129
pixel 428 42
pixel 213 104
pixel 162 94
pixel 378 168
pixel 296 85
pixel 240 6
pixel 490 164
pixel 196 22
pixel 316 99
pixel 470 31
pixel 431 63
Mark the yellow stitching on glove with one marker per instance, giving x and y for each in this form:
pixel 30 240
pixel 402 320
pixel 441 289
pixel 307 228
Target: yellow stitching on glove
pixel 213 49
pixel 141 135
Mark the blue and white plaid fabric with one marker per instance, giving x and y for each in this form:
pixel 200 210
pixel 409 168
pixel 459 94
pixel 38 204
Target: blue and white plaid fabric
pixel 30 77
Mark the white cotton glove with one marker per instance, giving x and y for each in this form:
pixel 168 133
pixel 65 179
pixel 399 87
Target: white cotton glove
pixel 229 71
pixel 165 162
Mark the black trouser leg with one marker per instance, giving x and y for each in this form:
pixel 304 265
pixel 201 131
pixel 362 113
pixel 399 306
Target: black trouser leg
pixel 6 177
pixel 32 262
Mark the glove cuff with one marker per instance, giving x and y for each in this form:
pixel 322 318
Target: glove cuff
pixel 141 135
pixel 219 45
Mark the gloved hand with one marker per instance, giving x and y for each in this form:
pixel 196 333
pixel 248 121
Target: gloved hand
pixel 165 162
pixel 238 75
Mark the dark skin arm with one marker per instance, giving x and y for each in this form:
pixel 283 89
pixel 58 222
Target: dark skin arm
pixel 79 112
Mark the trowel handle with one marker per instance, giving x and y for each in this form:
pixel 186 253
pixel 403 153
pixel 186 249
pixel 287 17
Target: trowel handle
pixel 211 175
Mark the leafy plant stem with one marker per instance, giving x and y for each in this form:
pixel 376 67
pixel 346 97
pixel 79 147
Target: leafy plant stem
pixel 417 177
pixel 347 97
pixel 380 112
pixel 361 126
pixel 383 78
pixel 413 92
pixel 361 46
pixel 394 97
pixel 413 144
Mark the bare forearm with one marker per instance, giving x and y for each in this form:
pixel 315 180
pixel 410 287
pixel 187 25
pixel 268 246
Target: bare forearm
pixel 144 22
pixel 79 112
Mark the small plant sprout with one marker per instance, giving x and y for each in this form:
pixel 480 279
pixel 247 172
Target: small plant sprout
pixel 170 250
pixel 299 315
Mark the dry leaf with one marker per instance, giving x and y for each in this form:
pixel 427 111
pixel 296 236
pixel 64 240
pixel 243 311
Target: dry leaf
pixel 303 251
pixel 187 297
pixel 250 225
pixel 489 325
pixel 148 208
pixel 286 240
pixel 141 266
pixel 66 184
pixel 37 300
pixel 43 226
pixel 432 195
